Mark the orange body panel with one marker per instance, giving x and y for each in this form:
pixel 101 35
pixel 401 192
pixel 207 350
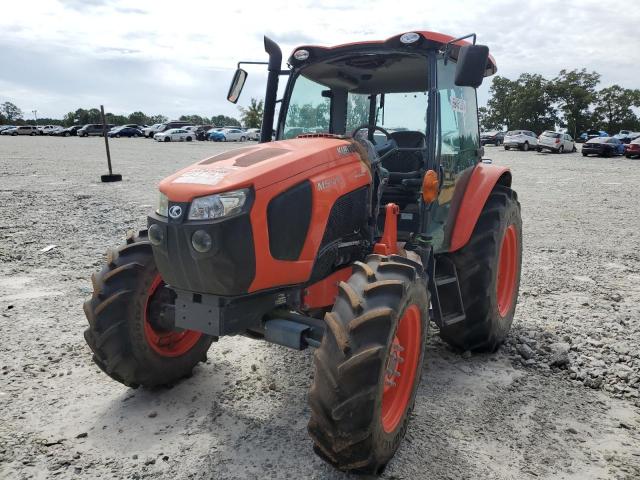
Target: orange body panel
pixel 336 179
pixel 332 166
pixel 482 181
pixel 324 292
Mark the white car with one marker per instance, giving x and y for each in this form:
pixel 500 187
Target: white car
pixel 556 142
pixel 47 129
pixel 234 135
pixel 175 135
pixel 150 131
pixel 253 134
pixel 520 139
pixel 24 130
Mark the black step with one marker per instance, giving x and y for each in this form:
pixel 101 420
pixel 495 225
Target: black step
pixel 453 319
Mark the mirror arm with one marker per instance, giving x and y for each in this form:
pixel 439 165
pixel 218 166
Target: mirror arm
pixel 450 44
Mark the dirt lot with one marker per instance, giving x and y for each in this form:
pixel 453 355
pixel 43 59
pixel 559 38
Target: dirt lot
pixel 559 400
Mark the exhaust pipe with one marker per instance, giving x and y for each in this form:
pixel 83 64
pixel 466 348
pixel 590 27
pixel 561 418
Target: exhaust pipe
pixel 270 97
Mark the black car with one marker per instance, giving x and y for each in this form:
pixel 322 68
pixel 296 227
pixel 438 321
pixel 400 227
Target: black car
pixel 93 130
pixel 603 146
pixel 493 138
pixel 68 132
pixel 124 132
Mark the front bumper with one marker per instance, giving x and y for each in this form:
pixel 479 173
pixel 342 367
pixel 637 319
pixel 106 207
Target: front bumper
pixel 228 269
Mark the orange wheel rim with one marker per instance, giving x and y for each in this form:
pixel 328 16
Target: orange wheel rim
pixel 401 368
pixel 167 343
pixel 507 270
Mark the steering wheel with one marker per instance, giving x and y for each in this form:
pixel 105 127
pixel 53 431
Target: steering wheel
pixel 362 127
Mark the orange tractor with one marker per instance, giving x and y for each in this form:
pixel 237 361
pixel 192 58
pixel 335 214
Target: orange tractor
pixel 370 215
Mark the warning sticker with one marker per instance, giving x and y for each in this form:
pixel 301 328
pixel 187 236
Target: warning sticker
pixel 458 104
pixel 204 176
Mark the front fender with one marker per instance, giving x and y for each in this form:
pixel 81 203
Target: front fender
pixel 483 178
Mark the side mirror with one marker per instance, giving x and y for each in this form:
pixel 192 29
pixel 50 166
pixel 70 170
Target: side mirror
pixel 236 85
pixel 471 66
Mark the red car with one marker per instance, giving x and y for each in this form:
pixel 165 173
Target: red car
pixel 632 149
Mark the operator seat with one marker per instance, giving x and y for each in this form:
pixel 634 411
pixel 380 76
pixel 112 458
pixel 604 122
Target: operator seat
pixel 403 165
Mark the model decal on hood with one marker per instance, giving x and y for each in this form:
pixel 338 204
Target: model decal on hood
pixel 204 176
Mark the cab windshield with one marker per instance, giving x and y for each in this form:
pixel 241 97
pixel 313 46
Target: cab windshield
pixel 339 96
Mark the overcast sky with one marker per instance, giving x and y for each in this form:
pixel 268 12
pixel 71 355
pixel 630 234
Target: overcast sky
pixel 177 58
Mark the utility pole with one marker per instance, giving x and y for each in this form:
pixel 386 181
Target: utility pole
pixel 35 115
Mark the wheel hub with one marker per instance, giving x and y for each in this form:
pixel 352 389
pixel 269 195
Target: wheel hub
pixel 401 367
pixel 159 332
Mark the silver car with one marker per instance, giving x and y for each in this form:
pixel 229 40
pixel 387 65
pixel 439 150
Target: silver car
pixel 556 142
pixel 520 139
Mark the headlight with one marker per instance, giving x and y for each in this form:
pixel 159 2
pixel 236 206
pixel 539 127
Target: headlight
pixel 163 205
pixel 220 205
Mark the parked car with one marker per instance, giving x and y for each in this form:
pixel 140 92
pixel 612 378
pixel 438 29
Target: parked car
pixel 589 134
pixel 521 139
pixel 54 131
pixel 556 142
pixel 6 127
pixel 46 129
pixel 93 130
pixel 626 136
pixel 124 131
pixel 69 131
pixel 228 135
pixel 22 130
pixel 173 124
pixel 632 150
pixel 148 132
pixel 603 146
pixel 493 138
pixel 253 134
pixel 202 132
pixel 174 135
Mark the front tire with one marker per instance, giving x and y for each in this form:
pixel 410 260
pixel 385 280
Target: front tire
pixel 167 139
pixel 129 339
pixel 525 147
pixel 489 275
pixel 362 393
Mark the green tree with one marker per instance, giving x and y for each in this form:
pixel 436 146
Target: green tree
pixel 139 118
pixel 574 91
pixel 613 108
pixel 223 120
pixel 158 119
pixel 500 107
pixel 11 112
pixel 251 116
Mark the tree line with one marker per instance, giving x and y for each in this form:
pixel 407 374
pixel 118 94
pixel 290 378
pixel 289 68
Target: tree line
pixel 570 100
pixel 10 113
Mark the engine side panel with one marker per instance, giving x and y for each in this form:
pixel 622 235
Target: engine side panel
pixel 328 184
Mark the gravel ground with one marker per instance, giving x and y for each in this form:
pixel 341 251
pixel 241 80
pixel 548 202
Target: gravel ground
pixel 559 400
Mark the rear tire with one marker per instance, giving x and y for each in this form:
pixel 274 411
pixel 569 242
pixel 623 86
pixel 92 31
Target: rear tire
pixel 489 274
pixel 506 148
pixel 525 147
pixel 189 139
pixel 561 149
pixel 358 418
pixel 127 342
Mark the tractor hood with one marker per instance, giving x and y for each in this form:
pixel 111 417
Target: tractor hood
pixel 257 166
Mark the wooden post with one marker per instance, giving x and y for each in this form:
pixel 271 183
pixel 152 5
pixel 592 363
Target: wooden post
pixel 111 177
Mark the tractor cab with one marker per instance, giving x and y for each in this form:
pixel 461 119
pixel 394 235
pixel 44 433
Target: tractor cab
pixel 409 101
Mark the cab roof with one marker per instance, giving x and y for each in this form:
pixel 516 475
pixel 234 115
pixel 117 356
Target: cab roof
pixel 427 40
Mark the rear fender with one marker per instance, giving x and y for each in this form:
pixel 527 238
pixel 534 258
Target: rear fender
pixel 482 180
